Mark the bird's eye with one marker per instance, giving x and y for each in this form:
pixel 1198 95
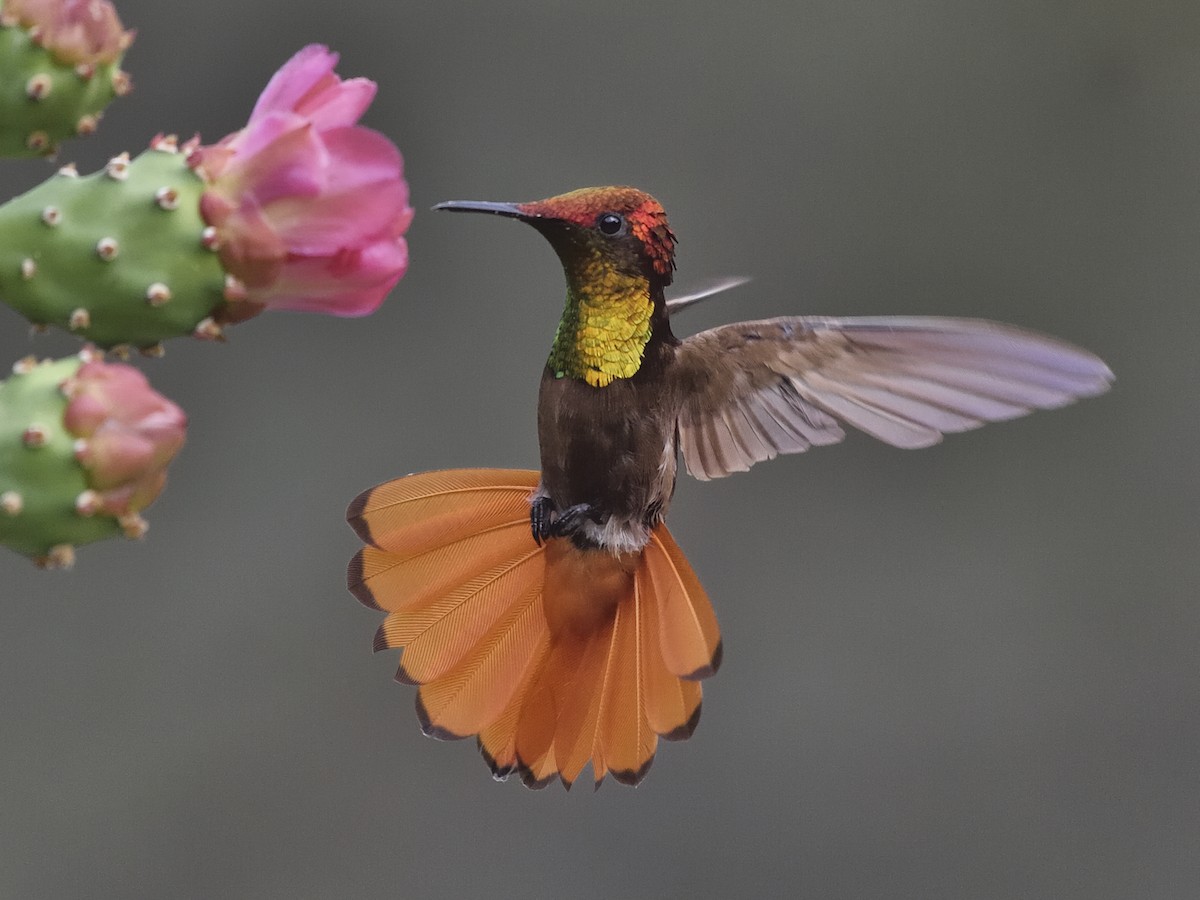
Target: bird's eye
pixel 611 224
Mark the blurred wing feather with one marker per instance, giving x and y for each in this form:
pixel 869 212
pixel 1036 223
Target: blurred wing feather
pixel 754 390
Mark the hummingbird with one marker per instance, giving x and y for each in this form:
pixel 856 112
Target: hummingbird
pixel 550 613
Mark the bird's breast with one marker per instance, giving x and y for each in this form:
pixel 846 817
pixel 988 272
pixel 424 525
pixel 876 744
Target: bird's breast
pixel 612 447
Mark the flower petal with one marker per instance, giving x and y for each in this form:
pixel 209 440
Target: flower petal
pixel 129 433
pixel 362 195
pixel 310 208
pixel 250 249
pixel 308 86
pixel 280 155
pixel 338 107
pixel 308 68
pixel 352 283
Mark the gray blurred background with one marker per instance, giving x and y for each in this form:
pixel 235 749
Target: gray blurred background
pixel 965 672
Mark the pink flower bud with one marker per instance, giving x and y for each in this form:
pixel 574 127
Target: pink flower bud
pixel 310 208
pixel 126 434
pixel 77 32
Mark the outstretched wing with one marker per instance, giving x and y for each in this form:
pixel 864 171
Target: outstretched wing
pixel 753 390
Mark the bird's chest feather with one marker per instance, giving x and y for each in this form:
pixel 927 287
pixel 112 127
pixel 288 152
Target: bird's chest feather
pixel 612 447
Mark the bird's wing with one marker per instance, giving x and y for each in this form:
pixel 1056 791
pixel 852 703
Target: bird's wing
pixel 753 390
pixel 704 291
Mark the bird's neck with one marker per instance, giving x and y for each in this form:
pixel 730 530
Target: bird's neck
pixel 606 324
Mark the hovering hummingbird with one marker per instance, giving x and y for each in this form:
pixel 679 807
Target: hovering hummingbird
pixel 551 613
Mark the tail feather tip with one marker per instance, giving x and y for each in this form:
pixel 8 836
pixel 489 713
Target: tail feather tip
pixel 718 657
pixel 632 777
pixel 429 729
pixel 356 584
pixel 530 780
pixel 402 676
pixel 354 516
pixel 379 642
pixel 499 772
pixel 707 671
pixel 687 729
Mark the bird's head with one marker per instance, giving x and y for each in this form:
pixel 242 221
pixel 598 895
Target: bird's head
pixel 598 233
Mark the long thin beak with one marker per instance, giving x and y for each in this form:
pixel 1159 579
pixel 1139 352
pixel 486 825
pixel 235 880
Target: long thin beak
pixel 509 210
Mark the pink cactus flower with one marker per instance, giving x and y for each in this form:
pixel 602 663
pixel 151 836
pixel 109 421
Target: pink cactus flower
pixel 77 32
pixel 126 434
pixel 310 208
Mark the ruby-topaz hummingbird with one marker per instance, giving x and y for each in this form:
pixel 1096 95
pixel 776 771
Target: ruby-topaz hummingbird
pixel 551 613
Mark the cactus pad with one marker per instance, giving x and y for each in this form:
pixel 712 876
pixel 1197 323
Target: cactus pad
pixel 84 446
pixel 44 100
pixel 40 480
pixel 120 257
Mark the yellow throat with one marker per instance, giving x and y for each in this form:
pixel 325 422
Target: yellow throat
pixel 605 325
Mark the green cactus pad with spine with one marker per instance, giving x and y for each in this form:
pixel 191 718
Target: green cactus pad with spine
pixel 33 127
pixel 46 478
pixel 48 272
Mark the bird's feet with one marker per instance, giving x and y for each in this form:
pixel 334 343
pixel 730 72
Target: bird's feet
pixel 540 512
pixel 569 522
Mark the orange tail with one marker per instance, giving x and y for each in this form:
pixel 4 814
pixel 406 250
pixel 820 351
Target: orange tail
pixel 554 656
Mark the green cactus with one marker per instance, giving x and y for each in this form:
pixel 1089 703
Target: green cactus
pixel 120 257
pixel 40 480
pixel 84 447
pixel 43 99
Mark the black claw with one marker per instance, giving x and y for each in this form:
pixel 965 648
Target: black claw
pixel 539 520
pixel 544 524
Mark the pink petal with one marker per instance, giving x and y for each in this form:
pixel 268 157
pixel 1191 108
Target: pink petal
pixel 280 155
pixel 363 195
pixel 309 67
pixel 307 85
pixel 133 496
pixel 310 208
pixel 117 455
pixel 85 413
pixel 131 433
pixel 352 283
pixel 338 107
pixel 250 249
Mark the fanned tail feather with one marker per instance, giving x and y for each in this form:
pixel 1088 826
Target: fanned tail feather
pixel 688 631
pixel 575 733
pixel 555 657
pixel 472 695
pixel 626 740
pixel 498 741
pixel 433 509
